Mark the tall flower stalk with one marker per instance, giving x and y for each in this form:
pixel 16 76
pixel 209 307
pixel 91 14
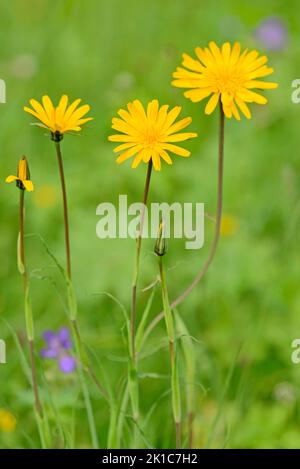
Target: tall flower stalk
pixel 229 77
pixel 160 251
pixel 72 299
pixel 24 184
pixel 147 135
pixel 133 371
pixel 60 120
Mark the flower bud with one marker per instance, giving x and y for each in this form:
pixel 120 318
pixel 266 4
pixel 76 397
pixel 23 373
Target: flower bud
pixel 160 248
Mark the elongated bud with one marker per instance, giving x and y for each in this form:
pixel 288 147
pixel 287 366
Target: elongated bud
pixel 160 248
pixel 23 173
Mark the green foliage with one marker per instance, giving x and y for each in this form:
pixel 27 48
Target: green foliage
pixel 109 52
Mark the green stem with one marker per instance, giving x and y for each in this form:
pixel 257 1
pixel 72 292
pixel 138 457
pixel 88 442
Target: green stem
pixel 86 396
pixel 132 369
pixel 80 350
pixel 137 260
pixel 65 207
pixel 216 238
pixel 29 322
pixel 175 385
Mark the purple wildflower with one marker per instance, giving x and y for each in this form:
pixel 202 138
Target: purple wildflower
pixel 272 33
pixel 57 346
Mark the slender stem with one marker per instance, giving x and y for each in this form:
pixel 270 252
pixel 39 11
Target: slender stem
pixel 175 386
pixel 214 245
pixel 80 350
pixel 86 366
pixel 29 320
pixel 190 430
pixel 21 239
pixel 65 207
pixel 34 378
pixel 132 365
pixel 137 260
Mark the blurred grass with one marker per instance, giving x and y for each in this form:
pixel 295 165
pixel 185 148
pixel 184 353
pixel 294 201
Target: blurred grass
pixel 107 53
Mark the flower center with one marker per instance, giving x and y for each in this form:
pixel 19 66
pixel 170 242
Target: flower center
pixel 151 135
pixel 228 81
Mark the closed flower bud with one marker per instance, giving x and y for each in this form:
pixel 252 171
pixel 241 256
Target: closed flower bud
pixel 160 248
pixel 23 176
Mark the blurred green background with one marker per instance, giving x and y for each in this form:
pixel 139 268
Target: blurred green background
pixel 245 314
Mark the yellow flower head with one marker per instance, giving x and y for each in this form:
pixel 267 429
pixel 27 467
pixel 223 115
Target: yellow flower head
pixel 23 176
pixel 149 134
pixel 7 421
pixel 224 74
pixel 61 119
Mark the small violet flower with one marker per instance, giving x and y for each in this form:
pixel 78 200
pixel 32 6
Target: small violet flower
pixel 272 34
pixel 57 346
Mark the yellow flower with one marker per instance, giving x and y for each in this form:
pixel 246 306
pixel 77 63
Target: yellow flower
pixel 229 225
pixel 224 74
pixel 7 421
pixel 61 119
pixel 23 176
pixel 149 134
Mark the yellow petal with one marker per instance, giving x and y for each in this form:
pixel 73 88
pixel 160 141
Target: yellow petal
pixel 235 111
pixel 179 125
pixel 123 146
pixel 257 63
pixel 243 107
pixel 156 161
pixel 83 121
pixel 61 108
pixel 263 85
pixel 212 103
pixel 164 155
pixel 38 112
pixel 11 178
pixel 197 95
pixel 181 83
pixel 129 153
pixel 180 137
pixel 80 112
pixel 226 50
pixel 146 154
pixel 121 126
pixel 227 111
pixel 192 64
pixel 175 149
pixel 28 185
pixel 162 115
pixel 171 117
pixel 137 110
pixel 49 108
pixel 186 74
pixel 121 138
pixel 152 110
pixel 137 160
pixel 203 56
pixel 252 97
pixel 261 72
pixel 71 109
pixel 235 53
pixel 215 51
